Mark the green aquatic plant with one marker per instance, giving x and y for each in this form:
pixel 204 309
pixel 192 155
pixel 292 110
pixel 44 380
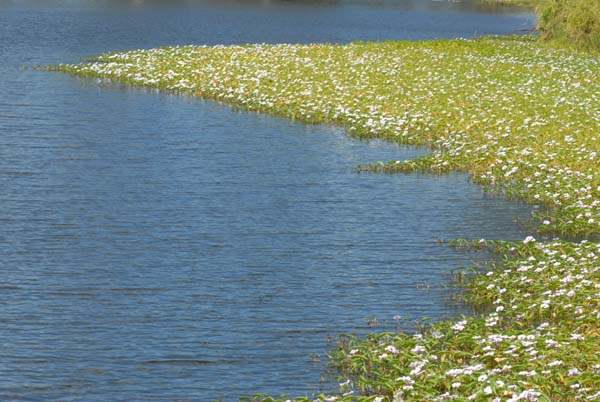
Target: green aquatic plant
pixel 540 342
pixel 521 117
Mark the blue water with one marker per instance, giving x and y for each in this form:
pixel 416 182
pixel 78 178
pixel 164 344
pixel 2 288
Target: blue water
pixel 160 248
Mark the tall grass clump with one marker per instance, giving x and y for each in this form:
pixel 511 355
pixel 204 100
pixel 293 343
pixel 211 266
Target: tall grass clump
pixel 575 22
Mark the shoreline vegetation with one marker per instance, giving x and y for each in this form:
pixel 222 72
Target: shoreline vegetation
pixel 520 3
pixel 564 22
pixel 521 117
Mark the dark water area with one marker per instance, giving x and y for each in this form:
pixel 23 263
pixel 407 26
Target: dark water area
pixel 158 248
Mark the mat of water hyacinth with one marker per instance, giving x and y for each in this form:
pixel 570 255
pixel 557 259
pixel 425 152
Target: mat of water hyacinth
pixel 521 117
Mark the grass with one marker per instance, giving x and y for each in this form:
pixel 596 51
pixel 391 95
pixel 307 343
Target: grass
pixel 575 22
pixel 521 117
pixel 571 23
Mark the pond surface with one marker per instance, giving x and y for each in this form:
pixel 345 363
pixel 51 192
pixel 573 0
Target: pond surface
pixel 157 247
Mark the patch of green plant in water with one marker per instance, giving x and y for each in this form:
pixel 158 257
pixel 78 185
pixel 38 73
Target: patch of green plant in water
pixel 521 117
pixel 541 342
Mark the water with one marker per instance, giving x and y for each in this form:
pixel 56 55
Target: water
pixel 156 247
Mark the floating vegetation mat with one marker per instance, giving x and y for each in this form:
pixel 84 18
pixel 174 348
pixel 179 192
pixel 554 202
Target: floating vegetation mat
pixel 522 118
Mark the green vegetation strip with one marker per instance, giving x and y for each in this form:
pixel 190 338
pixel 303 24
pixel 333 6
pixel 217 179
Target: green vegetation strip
pixel 522 118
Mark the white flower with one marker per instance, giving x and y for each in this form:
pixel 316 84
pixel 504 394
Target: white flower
pixel 392 350
pixel 459 326
pixel 418 349
pixel 406 379
pixel 577 337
